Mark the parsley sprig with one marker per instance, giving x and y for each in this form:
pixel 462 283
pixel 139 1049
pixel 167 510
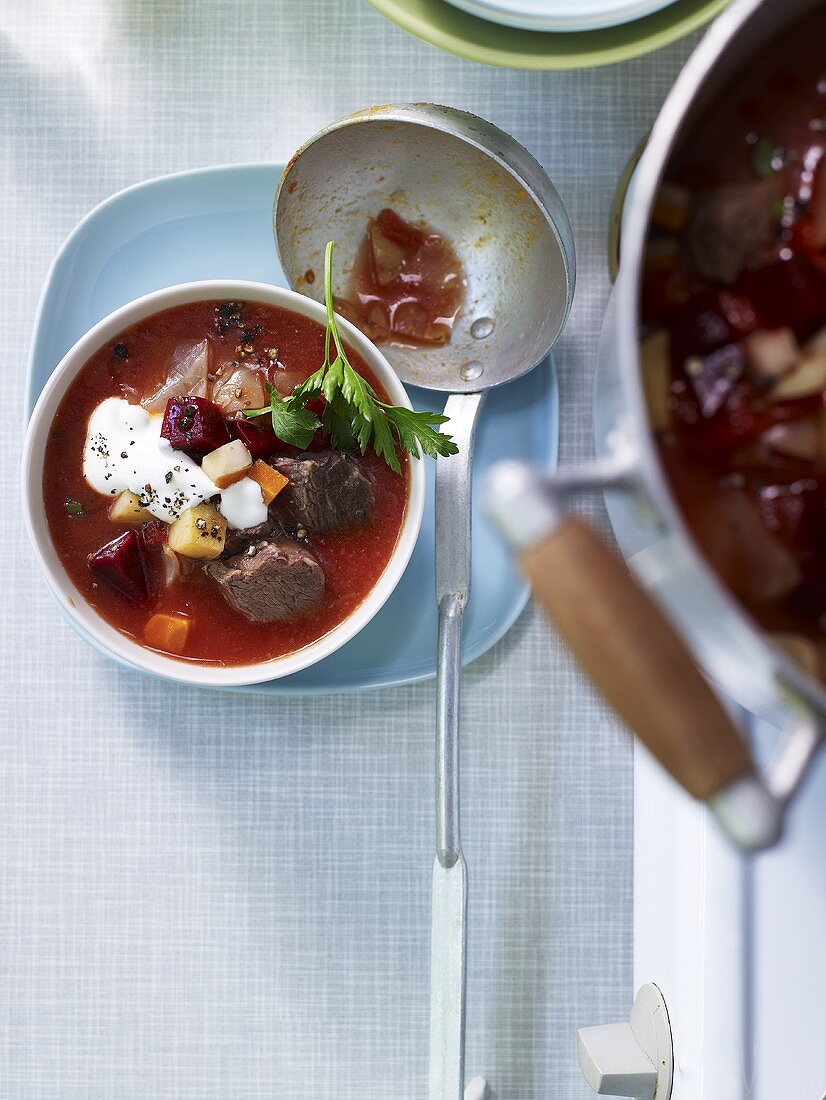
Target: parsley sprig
pixel 354 415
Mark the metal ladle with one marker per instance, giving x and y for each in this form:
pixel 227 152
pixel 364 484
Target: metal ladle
pixel 486 194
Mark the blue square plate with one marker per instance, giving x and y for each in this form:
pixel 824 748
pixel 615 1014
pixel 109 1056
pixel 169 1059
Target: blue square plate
pixel 216 223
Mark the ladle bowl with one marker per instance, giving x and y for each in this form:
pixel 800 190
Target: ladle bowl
pixel 470 182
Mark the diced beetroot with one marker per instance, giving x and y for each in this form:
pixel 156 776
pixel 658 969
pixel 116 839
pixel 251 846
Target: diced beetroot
pixel 738 312
pixel 665 292
pixel 788 293
pixel 154 534
pixel 121 563
pixel 194 425
pixel 701 327
pixel 259 438
pixel 743 418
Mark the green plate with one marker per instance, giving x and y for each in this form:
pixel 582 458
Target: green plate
pixel 442 25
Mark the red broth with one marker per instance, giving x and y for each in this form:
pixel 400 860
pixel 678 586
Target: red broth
pixel 407 285
pixel 748 465
pixel 352 560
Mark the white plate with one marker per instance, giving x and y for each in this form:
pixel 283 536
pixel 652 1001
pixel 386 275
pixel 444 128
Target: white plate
pixel 561 15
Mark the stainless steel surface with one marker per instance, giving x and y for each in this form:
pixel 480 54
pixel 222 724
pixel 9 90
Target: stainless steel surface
pixel 446 1073
pixel 496 205
pixel 527 504
pixel 453 498
pixel 471 182
pixel 453 532
pixel 449 904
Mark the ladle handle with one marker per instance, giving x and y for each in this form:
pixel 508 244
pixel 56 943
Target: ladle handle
pixel 447 940
pixel 454 479
pixel 635 658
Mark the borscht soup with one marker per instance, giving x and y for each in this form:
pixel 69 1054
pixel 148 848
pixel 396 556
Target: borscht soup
pixel 734 337
pixel 180 514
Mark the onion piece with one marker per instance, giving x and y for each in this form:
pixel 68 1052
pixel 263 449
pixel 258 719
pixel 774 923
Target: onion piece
pixel 285 381
pixel 238 389
pixel 795 439
pixel 771 353
pixel 807 379
pixel 186 376
pixel 388 257
pixel 170 566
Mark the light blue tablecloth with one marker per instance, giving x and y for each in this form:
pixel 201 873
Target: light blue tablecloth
pixel 206 896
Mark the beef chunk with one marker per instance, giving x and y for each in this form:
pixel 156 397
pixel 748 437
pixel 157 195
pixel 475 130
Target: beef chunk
pixel 271 582
pixel 239 539
pixel 731 226
pixel 326 491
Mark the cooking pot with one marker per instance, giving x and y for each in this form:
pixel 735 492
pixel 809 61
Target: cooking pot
pixel 639 634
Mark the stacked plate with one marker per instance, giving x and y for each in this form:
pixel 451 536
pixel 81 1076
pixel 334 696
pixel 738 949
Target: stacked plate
pixel 549 34
pixel 561 15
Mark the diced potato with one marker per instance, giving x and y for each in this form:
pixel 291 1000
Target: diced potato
pixel 127 508
pixel 168 632
pixel 228 464
pixel 655 356
pixel 771 353
pixel 803 651
pixel 807 379
pixel 672 208
pixel 270 480
pixel 199 532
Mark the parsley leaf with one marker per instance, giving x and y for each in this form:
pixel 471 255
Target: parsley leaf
pixel 354 415
pixel 290 420
pixel 416 430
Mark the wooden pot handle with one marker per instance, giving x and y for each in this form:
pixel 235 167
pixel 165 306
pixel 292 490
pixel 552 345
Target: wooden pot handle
pixel 635 658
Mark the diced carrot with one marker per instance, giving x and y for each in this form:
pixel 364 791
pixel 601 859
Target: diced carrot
pixel 167 632
pixel 270 480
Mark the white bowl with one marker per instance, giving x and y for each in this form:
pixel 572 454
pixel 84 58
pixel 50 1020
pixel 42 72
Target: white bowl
pixel 74 603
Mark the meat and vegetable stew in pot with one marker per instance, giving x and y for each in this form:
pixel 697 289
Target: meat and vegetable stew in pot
pixel 734 338
pixel 709 422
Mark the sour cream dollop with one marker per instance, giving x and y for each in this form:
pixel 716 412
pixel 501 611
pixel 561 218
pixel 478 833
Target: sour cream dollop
pixel 124 449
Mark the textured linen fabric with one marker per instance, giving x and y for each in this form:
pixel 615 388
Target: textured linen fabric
pixel 206 895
